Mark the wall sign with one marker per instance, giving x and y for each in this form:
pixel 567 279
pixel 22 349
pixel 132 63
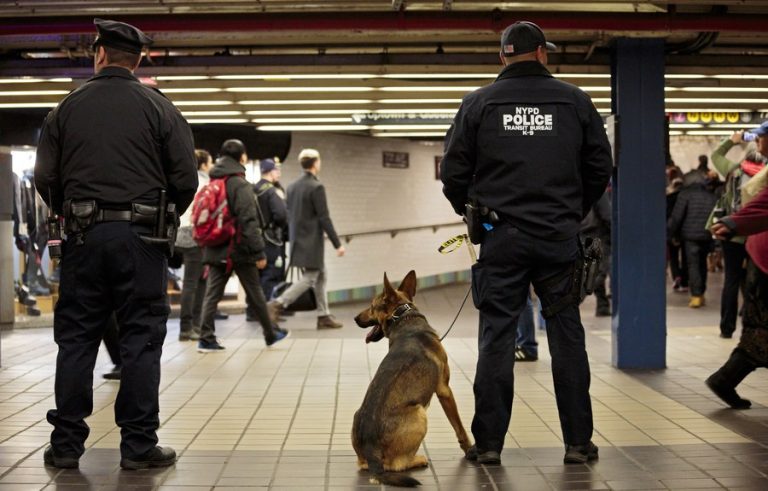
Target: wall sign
pixel 395 160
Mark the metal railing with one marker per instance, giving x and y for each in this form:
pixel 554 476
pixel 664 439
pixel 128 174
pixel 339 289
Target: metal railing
pixel 393 232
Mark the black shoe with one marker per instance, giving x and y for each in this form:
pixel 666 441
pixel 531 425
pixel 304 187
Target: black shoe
pixel 726 335
pixel 209 347
pixel 157 457
pixel 52 460
pixel 580 454
pixel 220 316
pixel 727 394
pixel 280 334
pixel 113 375
pixel 486 458
pixel 603 312
pixel 523 355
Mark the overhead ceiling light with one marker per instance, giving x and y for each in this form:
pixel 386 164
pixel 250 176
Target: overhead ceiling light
pixel 676 133
pixel 182 77
pixel 705 110
pixel 435 88
pixel 708 132
pixel 408 134
pixel 605 100
pixel 202 103
pixel 685 76
pixel 595 88
pixel 14 105
pixel 330 127
pixel 221 120
pixel 304 112
pixel 582 75
pixel 419 101
pixel 300 89
pixel 292 76
pixel 715 100
pixel 403 127
pixel 682 126
pixel 16 93
pixel 741 76
pixel 211 113
pixel 723 89
pixel 440 75
pixel 23 80
pixel 299 120
pixel 307 102
pixel 191 90
pixel 413 110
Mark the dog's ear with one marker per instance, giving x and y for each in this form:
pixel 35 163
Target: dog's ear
pixel 389 291
pixel 408 285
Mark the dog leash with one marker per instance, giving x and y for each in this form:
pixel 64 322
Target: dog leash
pixel 447 247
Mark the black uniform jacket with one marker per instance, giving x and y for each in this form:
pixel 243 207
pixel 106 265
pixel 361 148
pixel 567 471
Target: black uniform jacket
pixel 530 147
pixel 273 207
pixel 116 141
pixel 249 243
pixel 308 219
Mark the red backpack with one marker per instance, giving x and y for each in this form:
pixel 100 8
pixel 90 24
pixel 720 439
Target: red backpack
pixel 212 222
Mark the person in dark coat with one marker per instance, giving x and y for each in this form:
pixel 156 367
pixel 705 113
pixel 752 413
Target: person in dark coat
pixel 308 219
pixel 275 214
pixel 689 219
pixel 106 154
pixel 245 255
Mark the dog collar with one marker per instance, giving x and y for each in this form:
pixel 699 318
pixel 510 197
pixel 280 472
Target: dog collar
pixel 400 312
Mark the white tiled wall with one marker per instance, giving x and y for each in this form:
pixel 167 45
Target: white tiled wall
pixel 364 196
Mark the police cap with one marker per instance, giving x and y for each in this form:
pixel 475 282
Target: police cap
pixel 120 35
pixel 268 165
pixel 523 37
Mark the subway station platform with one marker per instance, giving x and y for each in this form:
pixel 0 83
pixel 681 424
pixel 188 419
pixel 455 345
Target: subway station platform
pixel 280 418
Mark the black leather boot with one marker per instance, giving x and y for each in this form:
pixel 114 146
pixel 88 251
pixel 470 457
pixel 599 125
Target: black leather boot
pixel 724 381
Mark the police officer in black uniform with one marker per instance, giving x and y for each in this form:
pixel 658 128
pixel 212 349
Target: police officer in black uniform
pixel 106 156
pixel 531 154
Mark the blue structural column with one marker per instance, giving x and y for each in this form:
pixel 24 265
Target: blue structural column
pixel 639 224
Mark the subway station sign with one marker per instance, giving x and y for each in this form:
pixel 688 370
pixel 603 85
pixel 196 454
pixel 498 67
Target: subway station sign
pixel 712 118
pixel 403 118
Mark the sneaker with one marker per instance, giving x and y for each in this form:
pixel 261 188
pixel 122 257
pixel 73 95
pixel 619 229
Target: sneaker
pixel 486 458
pixel 157 457
pixel 113 375
pixel 580 454
pixel 280 334
pixel 696 302
pixel 191 335
pixel 274 309
pixel 209 347
pixel 52 460
pixel 727 394
pixel 328 322
pixel 523 355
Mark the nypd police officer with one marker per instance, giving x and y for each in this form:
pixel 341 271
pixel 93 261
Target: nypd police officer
pixel 531 155
pixel 108 155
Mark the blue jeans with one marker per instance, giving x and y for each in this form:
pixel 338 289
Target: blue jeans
pixel 526 330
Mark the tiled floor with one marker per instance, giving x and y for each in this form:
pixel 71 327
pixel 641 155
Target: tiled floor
pixel 280 418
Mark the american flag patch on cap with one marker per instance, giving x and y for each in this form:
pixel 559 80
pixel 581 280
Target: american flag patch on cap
pixel 509 48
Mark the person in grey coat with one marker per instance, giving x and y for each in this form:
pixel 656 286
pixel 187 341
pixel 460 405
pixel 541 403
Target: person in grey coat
pixel 308 219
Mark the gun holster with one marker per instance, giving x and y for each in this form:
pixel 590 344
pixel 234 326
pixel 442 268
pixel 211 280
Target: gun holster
pixel 164 227
pixel 583 274
pixel 476 217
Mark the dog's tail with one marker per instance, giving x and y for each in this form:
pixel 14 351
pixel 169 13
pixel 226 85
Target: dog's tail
pixel 376 468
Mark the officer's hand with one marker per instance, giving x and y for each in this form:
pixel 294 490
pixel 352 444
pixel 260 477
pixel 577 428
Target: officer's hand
pixel 261 263
pixel 737 137
pixel 721 232
pixel 340 251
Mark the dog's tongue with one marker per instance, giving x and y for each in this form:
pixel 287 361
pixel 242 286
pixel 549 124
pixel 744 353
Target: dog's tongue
pixel 372 334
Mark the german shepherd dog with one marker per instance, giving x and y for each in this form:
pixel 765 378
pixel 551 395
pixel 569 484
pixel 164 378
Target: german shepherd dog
pixel 392 422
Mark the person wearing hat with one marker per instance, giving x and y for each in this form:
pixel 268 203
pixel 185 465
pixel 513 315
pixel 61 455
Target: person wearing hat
pixel 737 174
pixel 271 198
pixel 245 255
pixel 105 154
pixel 527 157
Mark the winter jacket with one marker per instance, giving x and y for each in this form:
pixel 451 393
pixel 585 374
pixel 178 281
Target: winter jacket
pixel 752 220
pixel 248 245
pixel 692 209
pixel 308 219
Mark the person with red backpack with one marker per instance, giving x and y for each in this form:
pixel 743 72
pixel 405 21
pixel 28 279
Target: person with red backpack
pixel 226 223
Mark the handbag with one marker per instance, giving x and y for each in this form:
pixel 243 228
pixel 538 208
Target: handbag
pixel 305 302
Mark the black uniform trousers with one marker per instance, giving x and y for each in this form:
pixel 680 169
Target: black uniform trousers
pixel 734 255
pixel 248 274
pixel 510 260
pixel 696 252
pixel 112 270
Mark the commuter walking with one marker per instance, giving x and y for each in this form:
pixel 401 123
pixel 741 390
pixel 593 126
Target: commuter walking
pixel 274 212
pixel 308 219
pixel 737 175
pixel 193 284
pixel 244 254
pixel 531 155
pixel 752 350
pixel 107 153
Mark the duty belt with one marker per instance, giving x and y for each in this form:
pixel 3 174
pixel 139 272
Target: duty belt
pixel 113 216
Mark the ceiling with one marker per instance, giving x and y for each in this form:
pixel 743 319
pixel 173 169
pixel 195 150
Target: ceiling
pixel 380 67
